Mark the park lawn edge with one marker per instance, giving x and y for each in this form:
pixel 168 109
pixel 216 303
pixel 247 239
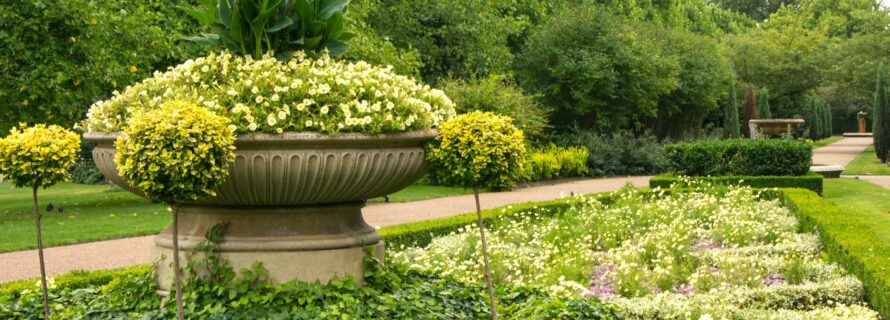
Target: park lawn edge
pixel 866 163
pixel 811 181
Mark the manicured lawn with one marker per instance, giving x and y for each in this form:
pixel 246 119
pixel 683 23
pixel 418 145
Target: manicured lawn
pixel 424 191
pixel 99 212
pixel 870 202
pixel 91 212
pixel 867 163
pixel 826 141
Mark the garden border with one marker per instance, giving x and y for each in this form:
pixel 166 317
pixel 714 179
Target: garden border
pixel 811 181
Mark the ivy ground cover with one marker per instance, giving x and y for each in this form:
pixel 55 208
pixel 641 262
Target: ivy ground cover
pixel 719 253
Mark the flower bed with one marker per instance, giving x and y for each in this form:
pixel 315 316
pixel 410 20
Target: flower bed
pixel 688 255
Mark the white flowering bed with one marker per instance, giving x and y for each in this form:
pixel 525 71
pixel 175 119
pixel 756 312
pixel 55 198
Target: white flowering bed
pixel 267 95
pixel 706 255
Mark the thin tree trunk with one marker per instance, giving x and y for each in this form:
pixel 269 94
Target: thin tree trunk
pixel 494 307
pixel 177 281
pixel 40 254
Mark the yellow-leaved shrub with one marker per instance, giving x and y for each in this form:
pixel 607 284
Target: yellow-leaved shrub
pixel 552 162
pixel 179 152
pixel 478 149
pixel 38 156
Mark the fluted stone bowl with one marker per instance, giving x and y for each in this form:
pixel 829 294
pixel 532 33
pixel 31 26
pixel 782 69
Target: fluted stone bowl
pixel 774 128
pixel 302 168
pixel 292 201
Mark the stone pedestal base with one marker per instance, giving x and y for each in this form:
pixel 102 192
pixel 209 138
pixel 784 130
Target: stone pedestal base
pixel 306 243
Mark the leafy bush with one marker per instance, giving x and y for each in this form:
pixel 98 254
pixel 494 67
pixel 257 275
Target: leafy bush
pixel 847 240
pixel 369 46
pixel 179 152
pixel 811 181
pixel 272 96
pixel 38 156
pixel 740 157
pixel 461 38
pixel 596 69
pixel 500 95
pixel 553 162
pixel 478 149
pixel 58 57
pixel 248 27
pixel 619 153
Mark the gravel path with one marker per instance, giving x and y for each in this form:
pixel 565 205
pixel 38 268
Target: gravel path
pixel 841 152
pixel 136 250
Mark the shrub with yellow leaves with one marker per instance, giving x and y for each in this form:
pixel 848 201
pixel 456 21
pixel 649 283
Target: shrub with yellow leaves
pixel 179 152
pixel 478 149
pixel 38 156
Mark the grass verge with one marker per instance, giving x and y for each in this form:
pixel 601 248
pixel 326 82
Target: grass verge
pixel 866 163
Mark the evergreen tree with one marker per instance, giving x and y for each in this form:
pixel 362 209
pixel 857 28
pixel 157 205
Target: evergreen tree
pixel 763 104
pixel 826 110
pixel 881 125
pixel 731 113
pixel 815 120
pixel 749 111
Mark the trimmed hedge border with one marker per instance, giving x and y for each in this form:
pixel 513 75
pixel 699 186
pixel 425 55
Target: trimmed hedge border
pixel 73 279
pixel 811 181
pixel 848 242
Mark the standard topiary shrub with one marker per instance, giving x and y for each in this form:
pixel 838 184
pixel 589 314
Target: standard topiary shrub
pixel 811 181
pixel 478 149
pixel 38 157
pixel 500 95
pixel 272 96
pixel 180 152
pixel 740 157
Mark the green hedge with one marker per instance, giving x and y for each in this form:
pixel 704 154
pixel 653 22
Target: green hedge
pixel 848 241
pixel 70 280
pixel 740 157
pixel 811 181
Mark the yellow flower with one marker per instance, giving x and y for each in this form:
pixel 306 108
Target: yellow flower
pixel 25 102
pixel 93 21
pixel 133 69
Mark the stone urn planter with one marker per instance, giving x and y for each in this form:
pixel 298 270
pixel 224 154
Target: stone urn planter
pixel 292 201
pixel 773 128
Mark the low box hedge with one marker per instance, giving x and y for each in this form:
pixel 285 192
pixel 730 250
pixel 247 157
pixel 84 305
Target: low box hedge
pixel 848 241
pixel 740 157
pixel 811 181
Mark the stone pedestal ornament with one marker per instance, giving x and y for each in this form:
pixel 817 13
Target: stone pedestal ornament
pixel 292 201
pixel 773 128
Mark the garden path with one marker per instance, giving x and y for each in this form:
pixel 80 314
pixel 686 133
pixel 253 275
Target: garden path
pixel 841 152
pixel 137 250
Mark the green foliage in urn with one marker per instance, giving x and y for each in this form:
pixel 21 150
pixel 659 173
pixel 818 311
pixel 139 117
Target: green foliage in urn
pixel 38 156
pixel 179 152
pixel 478 149
pixel 272 96
pixel 251 27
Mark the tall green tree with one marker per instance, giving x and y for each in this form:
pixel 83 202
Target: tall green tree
pixel 826 111
pixel 731 113
pixel 763 104
pixel 816 130
pixel 881 127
